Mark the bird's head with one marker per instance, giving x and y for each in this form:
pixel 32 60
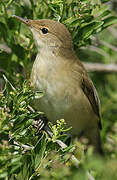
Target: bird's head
pixel 48 33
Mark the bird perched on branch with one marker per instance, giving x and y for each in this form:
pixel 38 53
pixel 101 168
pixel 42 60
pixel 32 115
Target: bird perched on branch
pixel 69 92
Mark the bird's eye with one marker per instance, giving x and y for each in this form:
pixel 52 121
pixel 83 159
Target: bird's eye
pixel 44 30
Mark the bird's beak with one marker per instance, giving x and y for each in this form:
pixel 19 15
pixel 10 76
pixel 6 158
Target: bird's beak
pixel 25 21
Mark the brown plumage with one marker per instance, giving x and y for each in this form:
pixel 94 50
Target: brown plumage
pixel 69 92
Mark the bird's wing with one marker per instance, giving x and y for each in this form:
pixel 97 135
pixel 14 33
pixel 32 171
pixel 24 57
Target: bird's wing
pixel 91 93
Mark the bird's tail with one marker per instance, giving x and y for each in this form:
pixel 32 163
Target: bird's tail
pixel 93 135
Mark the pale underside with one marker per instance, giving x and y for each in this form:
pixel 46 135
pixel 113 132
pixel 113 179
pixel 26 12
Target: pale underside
pixel 63 95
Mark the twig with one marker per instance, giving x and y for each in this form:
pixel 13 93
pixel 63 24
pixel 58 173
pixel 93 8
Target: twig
pixel 25 147
pixel 5 48
pixel 61 144
pixel 113 31
pixel 98 50
pixel 98 67
pixel 110 46
pixel 8 82
pixel 90 177
pixel 2 70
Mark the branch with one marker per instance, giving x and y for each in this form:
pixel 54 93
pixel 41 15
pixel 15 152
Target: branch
pixel 108 45
pixel 98 67
pixel 5 48
pixel 47 130
pixel 98 50
pixel 90 177
pixel 61 144
pixel 113 30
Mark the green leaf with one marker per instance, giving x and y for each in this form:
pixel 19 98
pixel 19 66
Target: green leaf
pixel 3 31
pixel 26 169
pixel 88 18
pixel 109 21
pixel 3 175
pixel 105 13
pixel 12 23
pixel 18 50
pixel 5 59
pixel 40 150
pixel 89 29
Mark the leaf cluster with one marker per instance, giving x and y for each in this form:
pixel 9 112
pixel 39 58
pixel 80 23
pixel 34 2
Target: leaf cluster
pixel 26 153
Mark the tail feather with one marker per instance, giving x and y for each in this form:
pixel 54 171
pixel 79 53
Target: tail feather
pixel 93 135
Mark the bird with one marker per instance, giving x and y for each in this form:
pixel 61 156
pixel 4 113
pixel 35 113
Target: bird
pixel 68 91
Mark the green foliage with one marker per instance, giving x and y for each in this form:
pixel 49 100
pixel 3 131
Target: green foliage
pixel 22 148
pixel 26 153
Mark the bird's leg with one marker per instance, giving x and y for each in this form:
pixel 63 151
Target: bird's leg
pixel 40 123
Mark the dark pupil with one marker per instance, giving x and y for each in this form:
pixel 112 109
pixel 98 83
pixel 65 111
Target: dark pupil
pixel 44 31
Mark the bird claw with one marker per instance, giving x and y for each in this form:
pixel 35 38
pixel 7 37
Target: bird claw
pixel 40 124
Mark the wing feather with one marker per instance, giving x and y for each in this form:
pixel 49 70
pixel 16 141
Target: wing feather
pixel 92 95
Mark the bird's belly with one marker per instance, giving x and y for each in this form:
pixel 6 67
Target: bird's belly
pixel 63 97
pixel 66 103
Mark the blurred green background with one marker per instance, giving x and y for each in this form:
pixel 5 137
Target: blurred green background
pixel 93 26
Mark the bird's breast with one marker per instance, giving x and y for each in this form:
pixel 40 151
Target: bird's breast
pixel 52 78
pixel 63 96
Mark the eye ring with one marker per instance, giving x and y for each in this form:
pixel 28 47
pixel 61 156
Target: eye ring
pixel 44 30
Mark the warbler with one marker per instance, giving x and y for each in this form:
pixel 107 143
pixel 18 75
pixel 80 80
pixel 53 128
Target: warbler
pixel 69 93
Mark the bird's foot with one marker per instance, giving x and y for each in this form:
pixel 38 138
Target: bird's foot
pixel 40 123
